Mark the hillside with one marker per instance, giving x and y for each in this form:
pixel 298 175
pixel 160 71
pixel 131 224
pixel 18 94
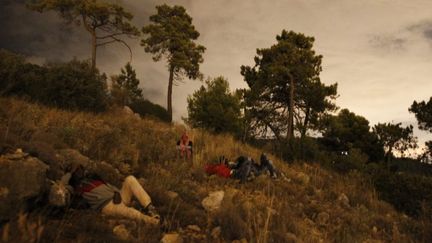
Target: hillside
pixel 310 205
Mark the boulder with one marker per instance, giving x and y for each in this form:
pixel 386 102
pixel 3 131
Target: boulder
pixel 172 238
pixel 172 195
pixel 121 232
pixel 213 201
pixel 22 177
pixel 127 110
pixel 343 199
pixel 193 227
pixel 216 232
pixel 72 156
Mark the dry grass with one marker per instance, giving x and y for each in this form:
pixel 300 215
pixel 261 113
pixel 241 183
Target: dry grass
pixel 307 208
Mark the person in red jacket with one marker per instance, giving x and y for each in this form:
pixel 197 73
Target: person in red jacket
pixel 185 146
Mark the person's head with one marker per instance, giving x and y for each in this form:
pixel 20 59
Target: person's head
pixel 263 157
pixel 77 171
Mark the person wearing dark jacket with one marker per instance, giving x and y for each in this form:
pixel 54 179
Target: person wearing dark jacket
pixel 108 199
pixel 245 168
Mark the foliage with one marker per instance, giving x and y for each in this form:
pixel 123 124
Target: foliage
pixel 73 85
pixel 17 77
pixel 172 35
pixel 344 163
pixel 106 22
pixel 286 77
pixel 124 88
pixel 406 192
pixel 146 108
pixel 423 113
pixel 215 108
pixel 262 210
pixel 348 130
pixel 395 137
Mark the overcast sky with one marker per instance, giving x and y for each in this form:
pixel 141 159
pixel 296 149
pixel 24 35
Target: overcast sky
pixel 378 51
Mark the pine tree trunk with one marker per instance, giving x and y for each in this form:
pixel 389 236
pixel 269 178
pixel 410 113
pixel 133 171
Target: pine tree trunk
pixel 169 98
pixel 291 110
pixel 94 46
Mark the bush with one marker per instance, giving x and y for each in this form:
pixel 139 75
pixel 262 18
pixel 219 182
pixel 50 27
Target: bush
pixel 76 86
pixel 147 108
pixel 405 192
pixel 73 85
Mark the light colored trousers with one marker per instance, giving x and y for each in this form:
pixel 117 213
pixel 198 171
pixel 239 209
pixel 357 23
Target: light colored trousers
pixel 130 188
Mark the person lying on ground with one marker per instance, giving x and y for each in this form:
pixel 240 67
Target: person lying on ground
pixel 244 168
pixel 108 199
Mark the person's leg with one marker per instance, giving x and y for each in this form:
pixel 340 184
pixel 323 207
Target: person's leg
pixel 271 168
pixel 131 187
pixel 121 210
pixel 244 171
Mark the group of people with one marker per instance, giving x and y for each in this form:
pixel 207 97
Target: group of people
pixel 243 168
pixel 110 200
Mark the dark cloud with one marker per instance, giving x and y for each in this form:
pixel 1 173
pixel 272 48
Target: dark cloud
pixel 388 42
pixel 423 28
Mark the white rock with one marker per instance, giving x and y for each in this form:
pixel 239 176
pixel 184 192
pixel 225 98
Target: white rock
pixel 213 201
pixel 172 238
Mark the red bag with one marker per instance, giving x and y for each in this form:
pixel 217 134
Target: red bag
pixel 220 170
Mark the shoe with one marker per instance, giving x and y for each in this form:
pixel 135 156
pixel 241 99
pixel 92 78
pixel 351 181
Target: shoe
pixel 151 211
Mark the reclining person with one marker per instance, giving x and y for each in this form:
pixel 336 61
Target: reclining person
pixel 105 197
pixel 246 168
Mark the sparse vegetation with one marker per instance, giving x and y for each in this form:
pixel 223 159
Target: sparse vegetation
pixel 313 205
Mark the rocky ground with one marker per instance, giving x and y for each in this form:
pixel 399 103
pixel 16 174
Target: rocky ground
pixel 310 204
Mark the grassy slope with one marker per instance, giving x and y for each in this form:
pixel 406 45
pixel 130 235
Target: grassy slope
pixel 310 207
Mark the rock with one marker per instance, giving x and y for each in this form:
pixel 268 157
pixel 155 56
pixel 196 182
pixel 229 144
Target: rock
pixel 303 178
pixel 4 192
pixel 290 238
pixel 72 156
pixel 127 110
pixel 121 232
pixel 213 201
pixel 23 178
pixel 216 232
pixel 194 227
pixel 344 199
pixel 323 218
pixel 172 238
pixel 172 195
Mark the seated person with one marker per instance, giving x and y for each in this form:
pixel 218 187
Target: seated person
pixel 108 199
pixel 185 146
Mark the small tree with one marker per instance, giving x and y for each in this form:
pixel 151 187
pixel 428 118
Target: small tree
pixel 279 82
pixel 348 130
pixel 124 88
pixel 423 113
pixel 105 22
pixel 172 35
pixel 395 137
pixel 215 108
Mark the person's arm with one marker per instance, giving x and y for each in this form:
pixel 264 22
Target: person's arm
pixel 65 181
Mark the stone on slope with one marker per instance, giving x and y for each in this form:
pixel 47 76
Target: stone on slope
pixel 22 177
pixel 213 201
